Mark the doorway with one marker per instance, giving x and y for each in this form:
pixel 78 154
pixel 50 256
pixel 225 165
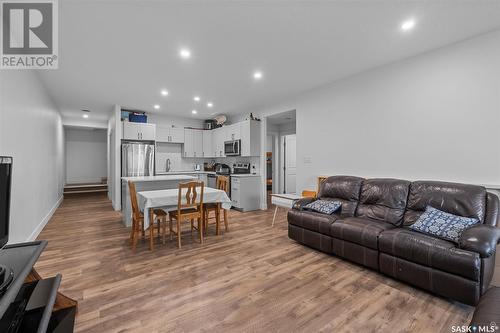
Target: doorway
pixel 289 163
pixel 281 154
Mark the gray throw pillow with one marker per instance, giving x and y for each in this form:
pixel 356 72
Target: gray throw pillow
pixel 323 206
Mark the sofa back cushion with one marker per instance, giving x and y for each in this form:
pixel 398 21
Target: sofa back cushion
pixel 384 200
pixel 344 189
pixel 457 199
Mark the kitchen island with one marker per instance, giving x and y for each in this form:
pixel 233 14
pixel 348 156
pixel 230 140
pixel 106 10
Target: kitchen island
pixel 147 183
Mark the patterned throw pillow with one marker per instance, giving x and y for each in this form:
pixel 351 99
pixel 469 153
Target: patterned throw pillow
pixel 443 225
pixel 323 206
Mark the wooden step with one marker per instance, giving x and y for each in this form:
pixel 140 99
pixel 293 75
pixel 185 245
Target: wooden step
pixel 85 188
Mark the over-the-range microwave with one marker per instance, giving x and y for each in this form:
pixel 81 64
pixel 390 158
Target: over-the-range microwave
pixel 232 148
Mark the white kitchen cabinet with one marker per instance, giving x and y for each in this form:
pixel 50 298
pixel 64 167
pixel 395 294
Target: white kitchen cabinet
pixel 170 134
pixel 193 143
pixel 219 136
pixel 208 144
pixel 198 143
pixel 233 132
pixel 139 131
pixel 250 138
pixel 177 134
pixel 245 192
pixel 188 148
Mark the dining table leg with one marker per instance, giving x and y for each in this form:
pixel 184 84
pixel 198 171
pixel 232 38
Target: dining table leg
pixel 151 229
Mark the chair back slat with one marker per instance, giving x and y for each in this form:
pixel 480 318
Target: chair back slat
pixel 223 183
pixel 133 198
pixel 191 197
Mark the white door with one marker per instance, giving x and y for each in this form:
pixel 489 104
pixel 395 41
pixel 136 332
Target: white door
pixel 148 132
pixel 290 163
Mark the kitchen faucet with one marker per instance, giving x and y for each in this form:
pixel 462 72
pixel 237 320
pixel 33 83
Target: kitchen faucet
pixel 167 165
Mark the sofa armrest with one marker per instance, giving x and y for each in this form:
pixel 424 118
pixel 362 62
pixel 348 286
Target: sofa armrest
pixel 481 238
pixel 299 204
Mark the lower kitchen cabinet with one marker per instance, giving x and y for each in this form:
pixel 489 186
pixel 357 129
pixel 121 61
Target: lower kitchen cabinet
pixel 245 192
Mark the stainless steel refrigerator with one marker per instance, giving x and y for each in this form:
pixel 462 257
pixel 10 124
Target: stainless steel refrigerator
pixel 138 159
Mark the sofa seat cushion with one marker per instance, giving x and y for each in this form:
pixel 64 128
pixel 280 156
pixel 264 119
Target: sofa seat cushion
pixel 430 251
pixel 359 230
pixel 312 221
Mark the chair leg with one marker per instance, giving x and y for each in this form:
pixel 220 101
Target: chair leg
pixel 134 237
pixel 159 219
pixel 164 224
pixel 170 226
pixel 192 227
pixel 217 221
pixel 179 233
pixel 206 216
pixel 151 230
pixel 226 222
pixel 200 229
pixel 132 230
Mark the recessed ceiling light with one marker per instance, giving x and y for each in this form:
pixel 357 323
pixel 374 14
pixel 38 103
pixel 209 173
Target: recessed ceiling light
pixel 196 98
pixel 156 106
pixel 164 92
pixel 194 112
pixel 257 75
pixel 185 53
pixel 210 104
pixel 85 116
pixel 408 25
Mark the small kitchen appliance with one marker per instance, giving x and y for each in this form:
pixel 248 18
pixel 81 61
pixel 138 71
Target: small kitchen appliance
pixel 222 169
pixel 232 148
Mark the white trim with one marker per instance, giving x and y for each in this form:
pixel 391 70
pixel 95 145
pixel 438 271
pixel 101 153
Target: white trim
pixel 45 220
pixel 491 187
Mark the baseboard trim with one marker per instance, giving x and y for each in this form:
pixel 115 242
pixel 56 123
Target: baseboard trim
pixel 45 220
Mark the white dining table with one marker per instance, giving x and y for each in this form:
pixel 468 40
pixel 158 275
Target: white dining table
pixel 168 200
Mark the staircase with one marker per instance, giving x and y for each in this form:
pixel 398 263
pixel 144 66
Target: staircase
pixel 78 188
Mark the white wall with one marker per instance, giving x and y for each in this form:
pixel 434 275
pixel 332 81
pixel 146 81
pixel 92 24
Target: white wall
pixel 86 152
pixel 31 131
pixel 433 116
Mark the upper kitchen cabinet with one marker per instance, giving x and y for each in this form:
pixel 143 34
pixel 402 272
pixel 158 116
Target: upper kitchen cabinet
pixel 170 134
pixel 250 137
pixel 233 132
pixel 208 144
pixel 139 131
pixel 193 143
pixel 218 138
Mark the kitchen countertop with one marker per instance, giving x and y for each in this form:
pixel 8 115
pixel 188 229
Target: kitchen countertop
pixel 184 172
pixel 158 178
pixel 245 175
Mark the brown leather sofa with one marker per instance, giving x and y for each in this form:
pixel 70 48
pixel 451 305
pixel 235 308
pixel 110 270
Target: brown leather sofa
pixel 371 229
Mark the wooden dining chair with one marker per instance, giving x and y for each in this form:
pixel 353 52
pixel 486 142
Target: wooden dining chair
pixel 222 184
pixel 189 207
pixel 159 218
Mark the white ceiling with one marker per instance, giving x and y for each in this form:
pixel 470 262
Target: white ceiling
pixel 125 52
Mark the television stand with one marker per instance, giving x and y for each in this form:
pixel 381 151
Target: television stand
pixel 29 304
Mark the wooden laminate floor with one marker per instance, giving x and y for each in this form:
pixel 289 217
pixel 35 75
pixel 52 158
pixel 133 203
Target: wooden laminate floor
pixel 251 279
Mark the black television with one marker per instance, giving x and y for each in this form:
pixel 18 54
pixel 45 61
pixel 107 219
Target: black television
pixel 5 188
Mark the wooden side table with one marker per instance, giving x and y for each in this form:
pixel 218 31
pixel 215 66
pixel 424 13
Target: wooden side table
pixel 283 200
